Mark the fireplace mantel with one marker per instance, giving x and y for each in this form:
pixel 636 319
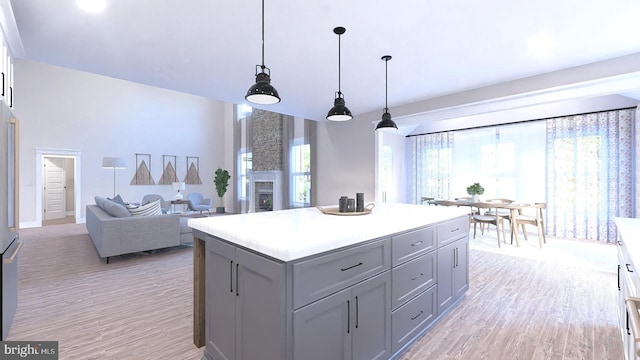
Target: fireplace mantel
pixel 274 177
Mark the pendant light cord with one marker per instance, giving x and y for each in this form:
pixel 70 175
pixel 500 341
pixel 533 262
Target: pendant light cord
pixel 262 66
pixel 386 85
pixel 339 92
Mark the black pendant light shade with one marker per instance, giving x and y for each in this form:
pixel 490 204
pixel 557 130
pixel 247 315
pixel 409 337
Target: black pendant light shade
pixel 339 111
pixel 262 92
pixel 386 124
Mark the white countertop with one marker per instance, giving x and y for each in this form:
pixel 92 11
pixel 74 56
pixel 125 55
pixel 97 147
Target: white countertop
pixel 629 229
pixel 293 234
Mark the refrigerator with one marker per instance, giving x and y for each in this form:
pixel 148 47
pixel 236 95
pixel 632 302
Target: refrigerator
pixel 10 243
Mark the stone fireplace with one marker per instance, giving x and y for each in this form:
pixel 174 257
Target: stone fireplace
pixel 265 191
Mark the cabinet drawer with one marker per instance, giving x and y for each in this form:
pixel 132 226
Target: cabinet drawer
pixel 412 244
pixel 452 230
pixel 413 317
pixel 323 275
pixel 412 278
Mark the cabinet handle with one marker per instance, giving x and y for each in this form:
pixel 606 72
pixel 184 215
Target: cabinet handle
pixel 417 243
pixel 456 257
pixel 351 267
pixel 3 83
pixel 417 276
pixel 619 267
pixel 619 242
pixel 453 260
pixel 357 313
pixel 629 270
pixel 348 316
pixel 418 315
pixel 456 229
pixel 237 287
pixel 231 275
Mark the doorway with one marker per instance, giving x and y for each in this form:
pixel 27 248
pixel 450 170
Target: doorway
pixel 58 186
pixel 58 191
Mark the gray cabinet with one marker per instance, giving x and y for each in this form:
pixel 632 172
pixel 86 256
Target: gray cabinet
pixel 368 301
pixel 453 272
pixel 351 324
pixel 628 284
pixel 245 308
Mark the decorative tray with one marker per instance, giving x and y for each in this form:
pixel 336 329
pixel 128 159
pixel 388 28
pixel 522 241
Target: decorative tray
pixel 334 210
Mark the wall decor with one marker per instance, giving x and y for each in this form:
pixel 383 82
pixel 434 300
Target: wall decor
pixel 168 170
pixel 193 170
pixel 143 170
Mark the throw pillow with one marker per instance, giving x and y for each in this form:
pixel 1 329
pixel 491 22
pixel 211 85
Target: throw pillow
pixel 118 200
pixel 150 209
pixel 115 209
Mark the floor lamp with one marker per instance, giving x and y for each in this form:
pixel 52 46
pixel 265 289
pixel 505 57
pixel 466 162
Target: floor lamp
pixel 114 163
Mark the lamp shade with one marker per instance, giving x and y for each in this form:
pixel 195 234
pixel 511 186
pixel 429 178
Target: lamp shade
pixel 114 163
pixel 262 92
pixel 177 186
pixel 339 111
pixel 386 124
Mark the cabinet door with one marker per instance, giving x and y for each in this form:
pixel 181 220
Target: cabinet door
pixel 371 318
pixel 259 307
pixel 220 299
pixel 461 268
pixel 446 256
pixel 322 330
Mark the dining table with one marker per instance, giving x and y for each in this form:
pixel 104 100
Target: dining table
pixel 515 209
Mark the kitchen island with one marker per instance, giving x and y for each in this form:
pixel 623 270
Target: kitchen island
pixel 300 284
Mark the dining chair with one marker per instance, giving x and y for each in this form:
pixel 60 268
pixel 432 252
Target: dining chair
pixel 502 212
pixel 535 220
pixel 481 217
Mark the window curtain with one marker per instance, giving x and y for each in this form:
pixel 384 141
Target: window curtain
pixel 432 166
pixel 589 174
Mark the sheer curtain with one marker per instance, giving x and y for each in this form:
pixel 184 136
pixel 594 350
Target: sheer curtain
pixel 589 174
pixel 432 166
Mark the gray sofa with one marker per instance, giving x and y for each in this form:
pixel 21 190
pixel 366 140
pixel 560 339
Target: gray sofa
pixel 122 234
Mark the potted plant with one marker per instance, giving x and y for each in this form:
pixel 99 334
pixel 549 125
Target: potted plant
pixel 475 190
pixel 222 182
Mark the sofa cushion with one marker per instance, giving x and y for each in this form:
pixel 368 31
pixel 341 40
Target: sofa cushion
pixel 150 209
pixel 118 200
pixel 115 209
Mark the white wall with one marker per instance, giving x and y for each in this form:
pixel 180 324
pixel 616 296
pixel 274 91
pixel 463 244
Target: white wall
pixel 346 160
pixel 99 116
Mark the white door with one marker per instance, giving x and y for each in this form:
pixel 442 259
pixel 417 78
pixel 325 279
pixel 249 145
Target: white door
pixel 54 189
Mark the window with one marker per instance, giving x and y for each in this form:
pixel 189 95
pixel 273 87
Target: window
pixel 245 167
pixel 300 175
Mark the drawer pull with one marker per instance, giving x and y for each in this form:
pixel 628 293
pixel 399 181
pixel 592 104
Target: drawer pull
pixel 417 276
pixel 629 270
pixel 417 316
pixel 351 267
pixel 456 229
pixel 633 322
pixel 417 243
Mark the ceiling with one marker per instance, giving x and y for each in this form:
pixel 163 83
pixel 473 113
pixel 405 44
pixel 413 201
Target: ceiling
pixel 451 58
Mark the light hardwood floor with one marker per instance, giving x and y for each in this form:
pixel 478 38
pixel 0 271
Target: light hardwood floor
pixel 523 303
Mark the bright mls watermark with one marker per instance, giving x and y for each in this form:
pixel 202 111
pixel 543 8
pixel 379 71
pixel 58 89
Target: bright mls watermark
pixel 30 350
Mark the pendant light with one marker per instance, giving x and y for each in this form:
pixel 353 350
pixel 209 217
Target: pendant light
pixel 262 92
pixel 386 124
pixel 339 112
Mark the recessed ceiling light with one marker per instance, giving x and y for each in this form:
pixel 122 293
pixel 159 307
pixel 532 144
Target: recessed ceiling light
pixel 541 45
pixel 94 6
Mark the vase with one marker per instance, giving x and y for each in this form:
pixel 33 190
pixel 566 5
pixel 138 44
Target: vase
pixel 474 198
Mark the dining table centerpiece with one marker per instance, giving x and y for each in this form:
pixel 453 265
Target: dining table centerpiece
pixel 474 190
